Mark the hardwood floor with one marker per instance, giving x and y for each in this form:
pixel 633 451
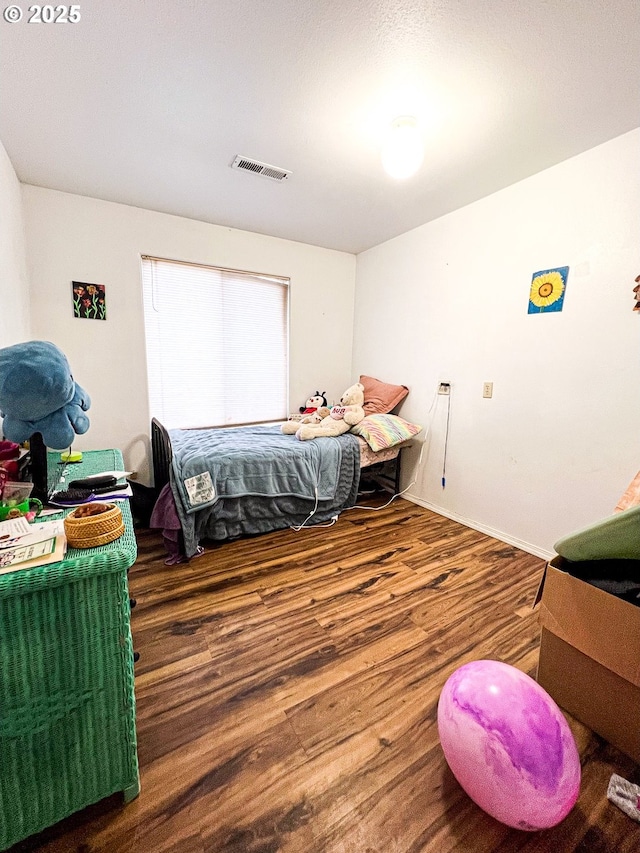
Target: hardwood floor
pixel 287 692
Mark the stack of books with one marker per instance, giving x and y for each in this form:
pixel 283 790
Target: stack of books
pixel 25 546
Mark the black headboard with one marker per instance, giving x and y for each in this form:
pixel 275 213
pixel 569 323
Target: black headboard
pixel 161 452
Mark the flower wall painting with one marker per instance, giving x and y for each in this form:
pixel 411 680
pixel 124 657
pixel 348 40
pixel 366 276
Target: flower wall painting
pixel 547 290
pixel 89 301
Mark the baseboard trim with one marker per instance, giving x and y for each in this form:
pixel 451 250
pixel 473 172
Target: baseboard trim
pixel 482 528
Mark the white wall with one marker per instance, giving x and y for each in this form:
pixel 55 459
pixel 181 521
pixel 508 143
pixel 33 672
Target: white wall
pixel 14 289
pixel 558 443
pixel 72 238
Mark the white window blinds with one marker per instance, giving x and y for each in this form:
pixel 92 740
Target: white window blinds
pixel 217 344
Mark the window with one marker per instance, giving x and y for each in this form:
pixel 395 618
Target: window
pixel 217 344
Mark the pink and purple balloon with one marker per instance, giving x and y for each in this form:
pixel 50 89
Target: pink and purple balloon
pixel 508 745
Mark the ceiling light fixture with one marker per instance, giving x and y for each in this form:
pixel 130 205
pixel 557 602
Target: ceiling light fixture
pixel 402 151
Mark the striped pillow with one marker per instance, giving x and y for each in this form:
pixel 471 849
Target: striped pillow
pixel 380 431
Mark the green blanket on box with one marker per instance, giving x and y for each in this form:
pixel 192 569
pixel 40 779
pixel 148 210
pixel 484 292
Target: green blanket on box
pixel 614 538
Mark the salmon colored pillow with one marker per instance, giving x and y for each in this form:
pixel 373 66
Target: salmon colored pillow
pixel 381 397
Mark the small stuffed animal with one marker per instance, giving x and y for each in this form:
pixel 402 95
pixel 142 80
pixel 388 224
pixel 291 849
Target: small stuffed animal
pixel 317 416
pixel 313 403
pixel 292 425
pixel 340 419
pixel 38 394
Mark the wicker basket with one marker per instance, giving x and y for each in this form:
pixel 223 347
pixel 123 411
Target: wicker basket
pixel 93 524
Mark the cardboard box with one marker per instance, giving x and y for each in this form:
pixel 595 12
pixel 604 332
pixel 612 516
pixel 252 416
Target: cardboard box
pixel 590 656
pixel 632 496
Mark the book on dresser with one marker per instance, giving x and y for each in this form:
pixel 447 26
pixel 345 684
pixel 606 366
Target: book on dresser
pixel 40 545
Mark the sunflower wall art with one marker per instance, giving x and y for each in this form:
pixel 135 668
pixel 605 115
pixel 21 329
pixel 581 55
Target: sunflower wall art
pixel 547 290
pixel 89 300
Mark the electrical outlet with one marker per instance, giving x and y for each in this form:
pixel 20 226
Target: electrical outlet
pixel 487 390
pixel 444 388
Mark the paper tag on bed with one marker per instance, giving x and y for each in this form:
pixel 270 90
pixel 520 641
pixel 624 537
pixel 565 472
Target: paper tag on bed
pixel 200 489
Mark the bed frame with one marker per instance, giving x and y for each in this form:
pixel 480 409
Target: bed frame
pixel 161 454
pixel 386 474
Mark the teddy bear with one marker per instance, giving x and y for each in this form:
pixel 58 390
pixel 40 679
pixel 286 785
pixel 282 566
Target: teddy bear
pixel 340 418
pixel 314 417
pixel 317 416
pixel 39 394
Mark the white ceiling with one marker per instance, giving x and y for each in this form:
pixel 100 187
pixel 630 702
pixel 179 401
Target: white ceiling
pixel 147 102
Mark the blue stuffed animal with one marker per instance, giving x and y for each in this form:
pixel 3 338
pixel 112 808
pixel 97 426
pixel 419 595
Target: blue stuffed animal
pixel 38 394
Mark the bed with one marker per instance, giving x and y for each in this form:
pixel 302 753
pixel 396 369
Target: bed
pixel 223 483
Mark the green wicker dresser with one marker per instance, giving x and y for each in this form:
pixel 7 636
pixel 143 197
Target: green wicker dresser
pixel 67 705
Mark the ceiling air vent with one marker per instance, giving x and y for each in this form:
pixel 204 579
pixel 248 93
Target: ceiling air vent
pixel 245 164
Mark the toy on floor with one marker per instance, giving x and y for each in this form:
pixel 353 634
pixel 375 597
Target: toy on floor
pixel 340 419
pixel 508 745
pixel 625 795
pixel 38 394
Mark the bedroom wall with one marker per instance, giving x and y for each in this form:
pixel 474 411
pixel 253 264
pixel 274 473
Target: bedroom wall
pixel 558 443
pixel 14 289
pixel 71 238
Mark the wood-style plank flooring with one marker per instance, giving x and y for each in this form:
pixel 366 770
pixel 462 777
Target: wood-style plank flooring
pixel 287 693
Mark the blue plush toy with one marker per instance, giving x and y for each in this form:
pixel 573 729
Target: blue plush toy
pixel 38 394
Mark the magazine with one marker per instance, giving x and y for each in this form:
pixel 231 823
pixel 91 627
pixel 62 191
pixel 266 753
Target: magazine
pixel 40 547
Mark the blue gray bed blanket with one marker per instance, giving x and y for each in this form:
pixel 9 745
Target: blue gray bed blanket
pixel 246 480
